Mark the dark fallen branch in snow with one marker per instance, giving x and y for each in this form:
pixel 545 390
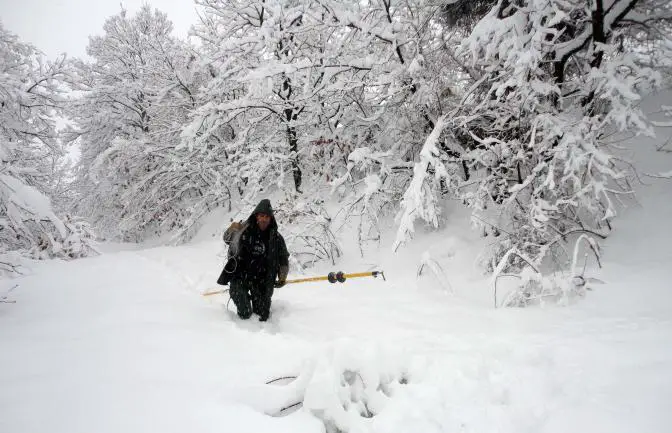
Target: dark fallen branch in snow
pixel 4 297
pixel 277 379
pixel 282 411
pixel 11 267
pixel 286 408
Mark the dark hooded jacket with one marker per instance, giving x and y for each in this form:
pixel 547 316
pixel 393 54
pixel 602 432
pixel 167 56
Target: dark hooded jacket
pixel 262 255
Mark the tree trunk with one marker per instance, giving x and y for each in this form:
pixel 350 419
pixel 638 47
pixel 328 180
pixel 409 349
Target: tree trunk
pixel 294 152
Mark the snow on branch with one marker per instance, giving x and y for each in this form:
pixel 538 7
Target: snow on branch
pixel 419 200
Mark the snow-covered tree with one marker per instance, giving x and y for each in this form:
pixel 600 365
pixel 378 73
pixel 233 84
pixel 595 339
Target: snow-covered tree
pixel 31 95
pixel 409 86
pixel 133 179
pixel 554 85
pixel 279 76
pixel 337 92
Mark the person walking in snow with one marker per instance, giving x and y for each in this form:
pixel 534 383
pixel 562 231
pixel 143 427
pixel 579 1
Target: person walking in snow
pixel 260 257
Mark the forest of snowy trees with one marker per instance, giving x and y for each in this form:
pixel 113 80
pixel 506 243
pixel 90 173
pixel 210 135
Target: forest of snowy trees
pixel 511 108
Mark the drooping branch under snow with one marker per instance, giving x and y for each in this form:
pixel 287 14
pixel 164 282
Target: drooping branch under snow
pixel 419 200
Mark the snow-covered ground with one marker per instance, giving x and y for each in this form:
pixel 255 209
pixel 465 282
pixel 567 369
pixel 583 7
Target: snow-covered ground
pixel 124 342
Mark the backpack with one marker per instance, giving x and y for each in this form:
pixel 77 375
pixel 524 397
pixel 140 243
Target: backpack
pixel 232 236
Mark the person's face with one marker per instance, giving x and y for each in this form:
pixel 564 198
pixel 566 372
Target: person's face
pixel 263 221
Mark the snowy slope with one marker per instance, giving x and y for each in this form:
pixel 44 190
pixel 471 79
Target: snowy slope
pixel 125 343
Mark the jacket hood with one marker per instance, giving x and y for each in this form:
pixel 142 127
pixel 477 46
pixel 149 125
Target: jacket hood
pixel 264 206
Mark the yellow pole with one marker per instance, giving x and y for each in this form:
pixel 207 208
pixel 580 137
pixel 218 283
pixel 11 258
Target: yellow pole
pixel 326 278
pixel 214 292
pixel 306 280
pixel 362 274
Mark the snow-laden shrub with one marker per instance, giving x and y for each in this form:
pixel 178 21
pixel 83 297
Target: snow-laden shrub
pixel 532 287
pixel 308 231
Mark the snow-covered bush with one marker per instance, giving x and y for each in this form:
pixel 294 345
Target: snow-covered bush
pixel 308 231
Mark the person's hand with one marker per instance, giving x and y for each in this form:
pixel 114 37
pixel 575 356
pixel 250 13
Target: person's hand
pixel 279 284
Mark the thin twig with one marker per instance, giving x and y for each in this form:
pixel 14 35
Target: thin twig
pixel 503 275
pixel 280 378
pixel 659 176
pixel 289 407
pixel 4 299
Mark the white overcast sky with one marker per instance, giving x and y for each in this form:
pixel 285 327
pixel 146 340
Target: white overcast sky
pixel 57 26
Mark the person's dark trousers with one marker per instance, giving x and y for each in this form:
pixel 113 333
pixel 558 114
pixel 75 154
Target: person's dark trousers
pixel 240 293
pixel 251 297
pixel 261 300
